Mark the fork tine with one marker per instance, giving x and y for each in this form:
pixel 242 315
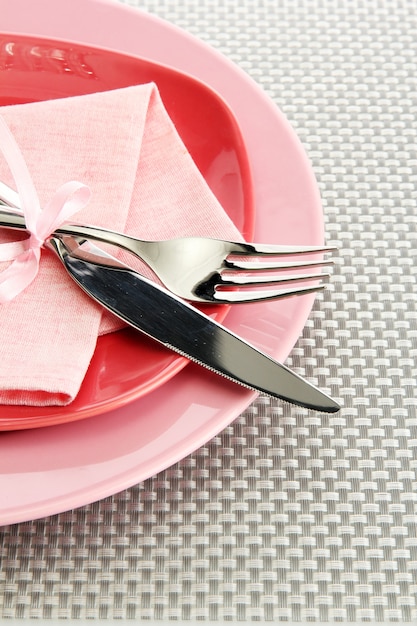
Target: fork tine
pixel 240 297
pixel 271 249
pixel 241 280
pixel 269 265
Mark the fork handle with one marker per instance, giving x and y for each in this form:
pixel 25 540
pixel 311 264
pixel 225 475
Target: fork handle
pixel 13 218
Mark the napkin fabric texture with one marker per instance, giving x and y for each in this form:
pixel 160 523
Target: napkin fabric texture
pixel 124 146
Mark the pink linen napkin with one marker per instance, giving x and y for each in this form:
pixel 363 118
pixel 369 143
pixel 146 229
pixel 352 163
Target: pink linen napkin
pixel 123 145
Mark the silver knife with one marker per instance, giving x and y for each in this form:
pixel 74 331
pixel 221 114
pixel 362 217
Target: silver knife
pixel 174 323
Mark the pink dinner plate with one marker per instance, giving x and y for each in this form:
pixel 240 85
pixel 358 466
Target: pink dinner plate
pixel 126 365
pixel 53 469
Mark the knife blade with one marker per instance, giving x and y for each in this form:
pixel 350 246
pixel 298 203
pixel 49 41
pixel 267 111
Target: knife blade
pixel 177 325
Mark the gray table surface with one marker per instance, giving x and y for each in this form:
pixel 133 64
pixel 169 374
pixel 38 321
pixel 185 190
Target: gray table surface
pixel 283 516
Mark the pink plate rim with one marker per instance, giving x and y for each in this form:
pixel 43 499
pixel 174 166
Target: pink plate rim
pixel 51 470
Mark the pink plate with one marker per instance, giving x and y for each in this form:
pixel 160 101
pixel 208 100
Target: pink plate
pixel 125 365
pixel 49 470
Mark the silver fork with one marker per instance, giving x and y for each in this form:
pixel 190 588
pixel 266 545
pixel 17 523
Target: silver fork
pixel 201 269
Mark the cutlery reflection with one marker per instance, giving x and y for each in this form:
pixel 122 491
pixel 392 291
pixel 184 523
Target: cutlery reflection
pixel 177 325
pixel 202 269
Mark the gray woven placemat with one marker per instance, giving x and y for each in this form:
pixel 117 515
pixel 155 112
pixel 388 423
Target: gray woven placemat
pixel 284 516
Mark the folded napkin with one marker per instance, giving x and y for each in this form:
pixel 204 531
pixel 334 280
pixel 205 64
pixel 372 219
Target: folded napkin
pixel 124 147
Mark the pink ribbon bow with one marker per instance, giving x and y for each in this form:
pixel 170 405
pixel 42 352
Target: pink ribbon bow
pixel 25 255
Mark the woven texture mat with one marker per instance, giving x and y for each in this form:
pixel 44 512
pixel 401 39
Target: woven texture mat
pixel 284 516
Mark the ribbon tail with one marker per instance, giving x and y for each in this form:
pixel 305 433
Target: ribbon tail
pixel 13 249
pixel 19 275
